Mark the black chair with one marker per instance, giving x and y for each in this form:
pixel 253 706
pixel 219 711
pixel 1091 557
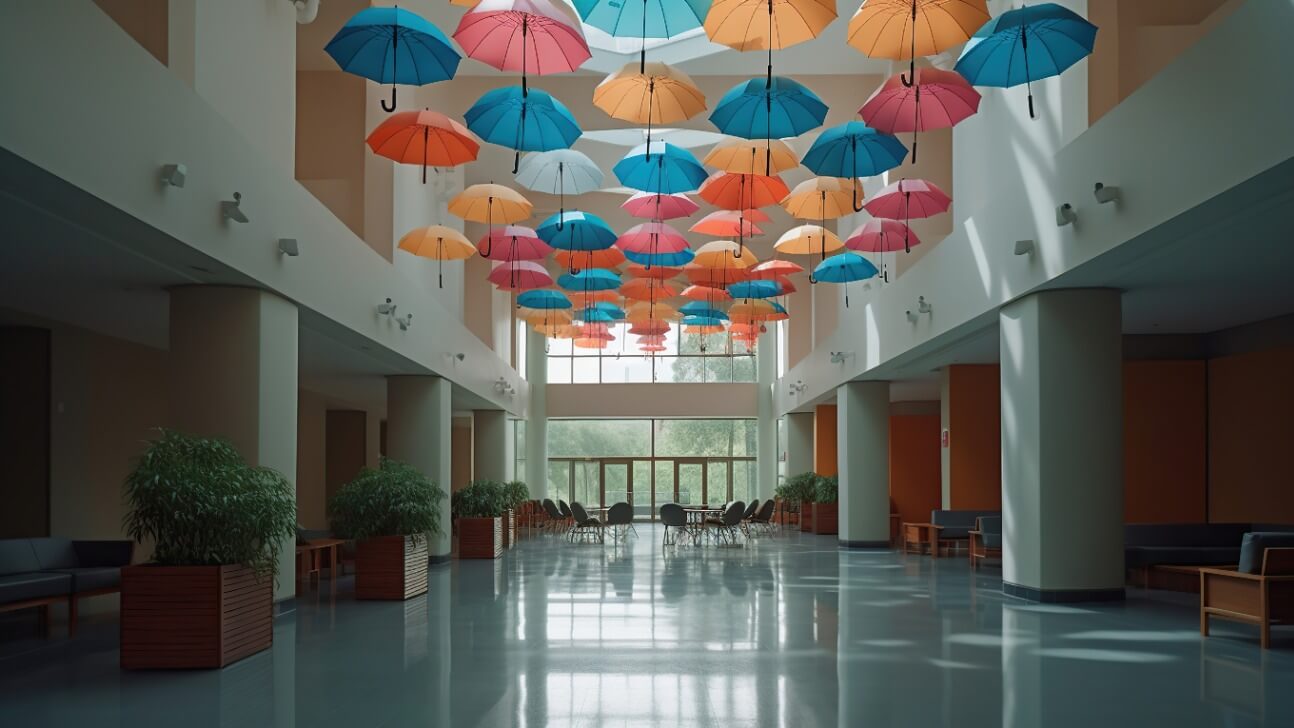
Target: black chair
pixel 748 514
pixel 673 516
pixel 620 517
pixel 568 518
pixel 555 517
pixel 763 518
pixel 726 525
pixel 585 525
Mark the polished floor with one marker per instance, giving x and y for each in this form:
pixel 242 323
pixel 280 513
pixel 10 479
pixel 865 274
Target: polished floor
pixel 787 632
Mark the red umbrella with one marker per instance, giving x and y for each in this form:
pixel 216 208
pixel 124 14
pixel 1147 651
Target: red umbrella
pixel 424 137
pixel 774 269
pixel 652 339
pixel 652 237
pixel 652 348
pixel 520 275
pixel 881 236
pixel 654 326
pixel 513 242
pixel 895 106
pixel 787 286
pixel 706 293
pixel 726 224
pixel 908 199
pixel 652 206
pixel 585 259
pixel 647 289
pixel 543 36
pixel 659 272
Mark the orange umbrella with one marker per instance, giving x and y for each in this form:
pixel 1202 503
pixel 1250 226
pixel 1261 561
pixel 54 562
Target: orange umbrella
pixel 558 331
pixel 724 254
pixel 649 93
pixel 584 299
pixel 439 243
pixel 706 293
pixel 702 276
pixel 540 316
pixel 741 24
pixel 808 240
pixel 589 342
pixel 823 198
pixel 751 310
pixel 424 137
pixel 901 29
pixel 726 224
pixel 736 191
pixel 643 311
pixel 649 328
pixel 660 272
pixel 491 204
pixel 787 286
pixel 647 289
pixel 772 270
pixel 703 329
pixel 585 259
pixel 747 156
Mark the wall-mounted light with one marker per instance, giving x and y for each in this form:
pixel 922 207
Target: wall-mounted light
pixel 289 247
pixel 797 388
pixel 307 10
pixel 1104 194
pixel 911 317
pixel 174 175
pixel 230 210
pixel 1065 215
pixel 923 306
pixel 404 322
pixel 838 357
pixel 503 386
pixel 1024 247
pixel 387 308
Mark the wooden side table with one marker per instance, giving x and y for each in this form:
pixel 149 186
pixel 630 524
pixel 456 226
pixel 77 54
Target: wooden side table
pixel 921 537
pixel 310 557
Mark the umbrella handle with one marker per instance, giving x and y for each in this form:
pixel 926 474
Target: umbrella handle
pixel 389 109
pixel 561 190
pixel 516 161
pixel 812 280
pixel 858 207
pixel 911 78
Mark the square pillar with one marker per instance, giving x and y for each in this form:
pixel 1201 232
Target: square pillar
pixel 799 443
pixel 863 431
pixel 493 452
pixel 766 422
pixel 536 474
pixel 418 423
pixel 1062 446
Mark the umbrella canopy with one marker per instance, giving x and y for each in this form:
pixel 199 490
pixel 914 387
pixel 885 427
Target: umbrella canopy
pixel 1026 44
pixel 601 312
pixel 700 275
pixel 648 311
pixel 541 316
pixel 752 156
pixel 751 310
pixel 775 269
pixel 439 243
pixel 726 224
pixel 593 342
pixel 755 289
pixel 558 172
pixel 647 289
pixel 844 268
pixel 900 29
pixel 530 121
pixel 808 240
pixel 897 106
pixel 649 93
pixel 579 259
pixel 853 150
pixel 519 275
pixel 592 279
pixel 652 260
pixel 725 254
pixel 908 199
pixel 734 191
pixel 637 19
pixel 787 286
pixel 651 237
pixel 576 230
pixel 768 108
pixel 882 236
pixel 823 198
pixel 660 272
pixel 539 36
pixel 708 294
pixel 491 204
pixel 749 25
pixel 701 308
pixel 557 330
pixel 513 242
pixel 654 206
pixel 583 299
pixel 544 299
pixel 666 171
pixel 702 326
pixel 390 45
pixel 424 137
pixel 649 328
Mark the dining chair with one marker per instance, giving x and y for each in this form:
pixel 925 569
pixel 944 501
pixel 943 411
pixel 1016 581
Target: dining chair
pixel 620 517
pixel 585 525
pixel 726 524
pixel 568 518
pixel 554 515
pixel 673 516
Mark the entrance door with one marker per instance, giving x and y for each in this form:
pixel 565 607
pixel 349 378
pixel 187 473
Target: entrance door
pixel 617 482
pixel 689 482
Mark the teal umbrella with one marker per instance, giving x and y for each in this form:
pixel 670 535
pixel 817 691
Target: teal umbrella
pixel 844 268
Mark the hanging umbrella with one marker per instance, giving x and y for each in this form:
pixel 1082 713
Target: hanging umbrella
pixel 751 310
pixel 651 311
pixel 702 326
pixel 1024 45
pixel 583 299
pixel 726 224
pixel 576 260
pixel 513 242
pixel 752 156
pixel 593 342
pixel 882 236
pixel 659 272
pixel 530 121
pixel 557 331
pixel 900 29
pixel 823 198
pixel 540 36
pixel 592 279
pixel 643 18
pixel 733 191
pixel 896 106
pixel 490 204
pixel 808 240
pixel 424 137
pixel 651 260
pixel 654 206
pixel 666 172
pixel 390 45
pixel 725 254
pixel 755 289
pixel 844 268
pixel 651 237
pixel 775 270
pixel 773 108
pixel 544 299
pixel 853 150
pixel 439 243
pixel 581 231
pixel 541 316
pixel 751 25
pixel 557 172
pixel 602 312
pixel 787 286
pixel 647 289
pixel 701 308
pixel 709 294
pixel 519 275
pixel 649 328
pixel 649 93
pixel 908 199
pixel 714 277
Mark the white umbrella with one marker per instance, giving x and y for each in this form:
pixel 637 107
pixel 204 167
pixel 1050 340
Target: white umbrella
pixel 557 172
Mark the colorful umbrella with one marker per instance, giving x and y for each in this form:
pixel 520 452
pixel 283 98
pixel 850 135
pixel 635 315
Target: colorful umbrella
pixel 580 231
pixel 896 106
pixel 1048 38
pixel 557 172
pixel 844 268
pixel 882 236
pixel 901 29
pixel 752 156
pixel 823 198
pixel 775 270
pixel 591 279
pixel 558 331
pixel 651 237
pixel 652 93
pixel 544 299
pixel 701 308
pixel 660 272
pixel 726 224
pixel 576 260
pixel 542 36
pixel 530 121
pixel 651 311
pixel 424 137
pixel 583 299
pixel 654 206
pixel 490 204
pixel 541 316
pixel 714 277
pixel 649 328
pixel 643 18
pixel 733 191
pixel 854 150
pixel 513 242
pixel 651 260
pixel 740 24
pixel 439 243
pixel 787 286
pixel 772 108
pixel 519 275
pixel 751 310
pixel 808 240
pixel 755 289
pixel 647 289
pixel 390 45
pixel 702 326
pixel 725 254
pixel 665 172
pixel 908 199
pixel 709 294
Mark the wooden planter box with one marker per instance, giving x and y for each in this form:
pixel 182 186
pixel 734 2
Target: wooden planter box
pixel 480 538
pixel 806 517
pixel 826 518
pixel 509 529
pixel 391 567
pixel 186 617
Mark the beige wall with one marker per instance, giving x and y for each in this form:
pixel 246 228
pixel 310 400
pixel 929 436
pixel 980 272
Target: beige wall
pixel 144 20
pixel 311 446
pixel 652 400
pixel 461 446
pixel 330 147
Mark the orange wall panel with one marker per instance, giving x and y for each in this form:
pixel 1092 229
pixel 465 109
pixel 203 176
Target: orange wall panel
pixel 975 437
pixel 1165 438
pixel 1251 398
pixel 824 439
pixel 915 489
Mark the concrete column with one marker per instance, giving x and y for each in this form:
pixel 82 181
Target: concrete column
pixel 766 424
pixel 493 452
pixel 418 423
pixel 233 375
pixel 1062 446
pixel 799 443
pixel 863 454
pixel 537 416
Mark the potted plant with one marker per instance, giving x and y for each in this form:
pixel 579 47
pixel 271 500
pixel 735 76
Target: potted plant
pixel 826 512
pixel 388 512
pixel 801 489
pixel 517 493
pixel 478 510
pixel 216 524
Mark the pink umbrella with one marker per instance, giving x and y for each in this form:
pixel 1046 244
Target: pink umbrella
pixel 542 36
pixel 652 206
pixel 726 224
pixel 894 107
pixel 652 237
pixel 513 242
pixel 775 270
pixel 882 236
pixel 519 275
pixel 908 199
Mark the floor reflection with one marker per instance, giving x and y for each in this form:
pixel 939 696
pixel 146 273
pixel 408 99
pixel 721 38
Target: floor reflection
pixel 786 632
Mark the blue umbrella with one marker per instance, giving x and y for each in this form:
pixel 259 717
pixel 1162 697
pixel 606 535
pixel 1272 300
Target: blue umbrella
pixel 544 299
pixel 705 320
pixel 775 107
pixel 755 289
pixel 524 120
pixel 663 173
pixel 702 309
pixel 576 230
pixel 602 312
pixel 593 279
pixel 854 149
pixel 682 257
pixel 643 18
pixel 1021 46
pixel 844 268
pixel 595 316
pixel 389 45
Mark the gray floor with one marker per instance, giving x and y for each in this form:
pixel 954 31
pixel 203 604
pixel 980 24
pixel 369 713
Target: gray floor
pixel 788 632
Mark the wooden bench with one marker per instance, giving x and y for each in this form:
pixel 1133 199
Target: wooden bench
pixel 1264 599
pixel 979 549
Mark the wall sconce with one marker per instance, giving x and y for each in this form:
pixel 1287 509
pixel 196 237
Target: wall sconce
pixel 1105 194
pixel 797 388
pixel 289 247
pixel 912 317
pixel 307 10
pixel 838 357
pixel 1024 247
pixel 405 323
pixel 1065 215
pixel 174 175
pixel 230 210
pixel 503 386
pixel 386 309
pixel 923 306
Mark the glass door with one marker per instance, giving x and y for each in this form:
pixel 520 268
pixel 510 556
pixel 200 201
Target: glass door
pixel 689 482
pixel 663 488
pixel 640 490
pixel 617 482
pixel 717 488
pixel 586 482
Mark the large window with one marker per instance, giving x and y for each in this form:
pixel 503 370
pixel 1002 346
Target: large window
pixel 687 358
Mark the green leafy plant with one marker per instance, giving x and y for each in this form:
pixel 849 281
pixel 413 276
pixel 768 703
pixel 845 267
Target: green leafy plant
pixel 480 499
pixel 517 492
pixel 395 499
pixel 801 488
pixel 202 505
pixel 827 490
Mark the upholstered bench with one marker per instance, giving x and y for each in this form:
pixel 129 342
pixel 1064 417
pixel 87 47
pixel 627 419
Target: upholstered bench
pixel 41 572
pixel 1259 591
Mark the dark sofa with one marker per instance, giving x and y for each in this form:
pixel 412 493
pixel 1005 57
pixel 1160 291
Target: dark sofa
pixel 41 572
pixel 957 525
pixel 1188 544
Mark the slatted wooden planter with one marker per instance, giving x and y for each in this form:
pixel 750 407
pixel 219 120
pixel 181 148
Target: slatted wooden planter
pixel 391 567
pixel 186 617
pixel 826 518
pixel 480 538
pixel 509 529
pixel 806 517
